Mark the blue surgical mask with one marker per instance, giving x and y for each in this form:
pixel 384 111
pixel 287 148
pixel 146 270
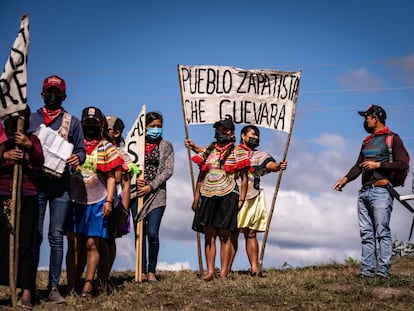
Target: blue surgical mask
pixel 154 132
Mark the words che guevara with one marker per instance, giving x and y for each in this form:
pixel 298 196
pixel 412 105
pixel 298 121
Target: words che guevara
pixel 265 98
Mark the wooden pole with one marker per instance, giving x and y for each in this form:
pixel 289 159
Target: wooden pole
pixel 279 179
pixel 138 245
pixel 139 240
pixel 15 208
pixel 200 259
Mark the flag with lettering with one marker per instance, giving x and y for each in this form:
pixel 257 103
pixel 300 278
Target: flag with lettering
pixel 265 98
pixel 13 80
pixel 135 146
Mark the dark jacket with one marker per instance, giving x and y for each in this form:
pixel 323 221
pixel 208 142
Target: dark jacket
pixel 75 136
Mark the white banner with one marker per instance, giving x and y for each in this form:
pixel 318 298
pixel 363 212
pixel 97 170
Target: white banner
pixel 13 80
pixel 135 146
pixel 265 98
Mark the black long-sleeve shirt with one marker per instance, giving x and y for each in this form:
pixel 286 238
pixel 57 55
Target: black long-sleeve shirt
pixel 377 150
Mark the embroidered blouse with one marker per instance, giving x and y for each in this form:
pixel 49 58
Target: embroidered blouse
pixel 220 179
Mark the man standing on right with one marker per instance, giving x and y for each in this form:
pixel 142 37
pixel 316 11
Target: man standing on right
pixel 374 200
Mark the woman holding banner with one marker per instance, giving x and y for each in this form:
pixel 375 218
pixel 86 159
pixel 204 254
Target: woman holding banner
pixel 218 198
pixel 252 217
pixel 158 168
pixel 24 147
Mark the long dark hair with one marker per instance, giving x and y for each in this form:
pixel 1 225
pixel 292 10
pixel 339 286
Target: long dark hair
pixel 210 148
pixel 151 116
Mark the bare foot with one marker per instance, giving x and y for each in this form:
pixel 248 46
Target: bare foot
pixel 207 277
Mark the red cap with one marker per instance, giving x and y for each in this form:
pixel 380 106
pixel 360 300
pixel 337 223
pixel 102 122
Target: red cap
pixel 54 81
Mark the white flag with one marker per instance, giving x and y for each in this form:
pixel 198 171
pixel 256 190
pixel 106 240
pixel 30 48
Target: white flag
pixel 13 80
pixel 265 98
pixel 135 146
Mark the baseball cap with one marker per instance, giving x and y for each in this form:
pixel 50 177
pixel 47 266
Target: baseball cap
pixel 115 123
pixel 54 81
pixel 227 123
pixel 93 113
pixel 374 110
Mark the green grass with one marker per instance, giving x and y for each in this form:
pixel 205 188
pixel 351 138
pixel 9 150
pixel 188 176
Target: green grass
pixel 326 287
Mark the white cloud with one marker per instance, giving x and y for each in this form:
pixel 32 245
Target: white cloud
pixel 177 266
pixel 406 65
pixel 311 223
pixel 358 79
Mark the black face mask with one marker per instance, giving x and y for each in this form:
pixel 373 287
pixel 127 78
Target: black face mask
pixel 253 143
pixel 368 129
pixel 222 138
pixel 92 132
pixel 53 101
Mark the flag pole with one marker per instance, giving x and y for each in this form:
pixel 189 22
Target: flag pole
pixel 139 226
pixel 279 179
pixel 14 77
pixel 200 260
pixel 15 208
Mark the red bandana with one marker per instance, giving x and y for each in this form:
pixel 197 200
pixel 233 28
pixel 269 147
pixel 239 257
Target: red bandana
pixel 90 145
pixel 384 130
pixel 151 146
pixel 222 148
pixel 50 115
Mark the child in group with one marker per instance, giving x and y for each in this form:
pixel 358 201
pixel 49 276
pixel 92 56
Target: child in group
pixel 26 148
pixel 92 193
pixel 119 221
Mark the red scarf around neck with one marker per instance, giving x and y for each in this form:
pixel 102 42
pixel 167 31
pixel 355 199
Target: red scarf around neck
pixel 384 130
pixel 50 115
pixel 150 146
pixel 90 145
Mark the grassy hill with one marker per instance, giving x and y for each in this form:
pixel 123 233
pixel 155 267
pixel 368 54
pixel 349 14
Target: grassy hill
pixel 328 287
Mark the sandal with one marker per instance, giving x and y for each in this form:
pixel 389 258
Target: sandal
pixel 87 294
pixel 25 304
pixel 152 278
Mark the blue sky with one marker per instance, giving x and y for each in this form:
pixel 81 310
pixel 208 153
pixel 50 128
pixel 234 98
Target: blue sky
pixel 120 55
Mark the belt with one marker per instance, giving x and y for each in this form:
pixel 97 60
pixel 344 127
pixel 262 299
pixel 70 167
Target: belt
pixel 378 183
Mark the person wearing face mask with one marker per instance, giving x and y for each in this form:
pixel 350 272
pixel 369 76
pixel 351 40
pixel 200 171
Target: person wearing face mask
pixel 218 197
pixel 252 217
pixel 93 198
pixel 374 200
pixel 54 191
pixel 158 168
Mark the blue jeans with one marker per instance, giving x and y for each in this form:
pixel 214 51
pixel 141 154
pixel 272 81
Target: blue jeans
pixel 58 210
pixel 374 214
pixel 151 229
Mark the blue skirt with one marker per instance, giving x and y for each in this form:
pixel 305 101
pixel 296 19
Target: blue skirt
pixel 88 220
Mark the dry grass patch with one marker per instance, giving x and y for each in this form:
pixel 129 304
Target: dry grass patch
pixel 325 287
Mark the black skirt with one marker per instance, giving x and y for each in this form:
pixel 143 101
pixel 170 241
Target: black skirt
pixel 218 212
